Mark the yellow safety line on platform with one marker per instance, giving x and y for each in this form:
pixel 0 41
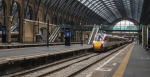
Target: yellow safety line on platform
pixel 120 71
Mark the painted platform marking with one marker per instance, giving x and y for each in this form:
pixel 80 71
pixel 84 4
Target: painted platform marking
pixel 120 71
pixel 89 75
pixel 145 58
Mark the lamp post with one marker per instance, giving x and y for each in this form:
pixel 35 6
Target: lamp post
pixel 48 33
pixel 81 36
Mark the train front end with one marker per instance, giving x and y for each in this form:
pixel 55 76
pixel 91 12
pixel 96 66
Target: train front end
pixel 98 42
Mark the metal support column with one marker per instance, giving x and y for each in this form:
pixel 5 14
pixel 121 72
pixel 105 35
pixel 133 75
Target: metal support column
pixel 38 25
pixel 81 36
pixel 47 33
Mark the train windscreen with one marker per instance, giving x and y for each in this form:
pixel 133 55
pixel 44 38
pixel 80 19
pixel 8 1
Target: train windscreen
pixel 98 38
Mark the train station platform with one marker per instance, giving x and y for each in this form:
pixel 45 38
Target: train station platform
pixel 14 60
pixel 8 53
pixel 133 61
pixel 25 45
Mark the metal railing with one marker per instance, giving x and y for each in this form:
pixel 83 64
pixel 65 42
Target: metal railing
pixel 102 27
pixel 91 36
pixel 120 28
pixel 77 27
pixel 93 33
pixel 13 28
pixel 54 34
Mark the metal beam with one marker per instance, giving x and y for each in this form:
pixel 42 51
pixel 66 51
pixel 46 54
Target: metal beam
pixel 37 10
pixel 11 8
pixel 26 9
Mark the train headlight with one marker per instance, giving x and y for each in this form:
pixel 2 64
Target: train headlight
pixel 93 42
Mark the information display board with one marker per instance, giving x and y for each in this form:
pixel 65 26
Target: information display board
pixel 4 33
pixel 67 37
pixel 67 32
pixel 149 33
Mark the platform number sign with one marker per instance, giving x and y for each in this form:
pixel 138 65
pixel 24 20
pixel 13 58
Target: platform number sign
pixel 4 31
pixel 67 32
pixel 67 37
pixel 149 33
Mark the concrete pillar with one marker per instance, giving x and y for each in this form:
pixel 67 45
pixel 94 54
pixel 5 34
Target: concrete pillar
pixel 29 29
pixel 2 19
pixel 8 20
pixel 34 32
pixel 24 31
pixel 138 38
pixel 63 36
pixel 83 36
pixel 144 34
pixel 77 37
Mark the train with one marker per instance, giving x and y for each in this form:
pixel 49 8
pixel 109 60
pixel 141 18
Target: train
pixel 103 42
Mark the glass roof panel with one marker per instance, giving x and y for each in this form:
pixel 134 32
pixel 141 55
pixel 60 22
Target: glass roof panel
pixel 1 8
pixel 112 10
pixel 109 10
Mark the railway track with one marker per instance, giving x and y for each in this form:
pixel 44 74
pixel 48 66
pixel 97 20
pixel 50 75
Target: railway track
pixel 67 67
pixel 23 73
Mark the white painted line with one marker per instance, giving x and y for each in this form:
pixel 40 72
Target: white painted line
pixel 114 64
pixel 107 61
pixel 111 59
pixel 105 69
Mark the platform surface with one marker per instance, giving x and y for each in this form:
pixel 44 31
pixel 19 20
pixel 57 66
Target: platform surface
pixel 24 51
pixel 16 43
pixel 139 63
pixel 132 61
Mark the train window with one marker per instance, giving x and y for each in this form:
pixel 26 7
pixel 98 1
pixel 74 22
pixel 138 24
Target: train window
pixel 98 38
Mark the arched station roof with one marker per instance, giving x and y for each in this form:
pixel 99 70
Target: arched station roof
pixel 145 16
pixel 99 11
pixel 112 10
pixel 74 7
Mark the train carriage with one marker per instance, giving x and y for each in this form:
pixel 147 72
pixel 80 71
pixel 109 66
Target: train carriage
pixel 102 42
